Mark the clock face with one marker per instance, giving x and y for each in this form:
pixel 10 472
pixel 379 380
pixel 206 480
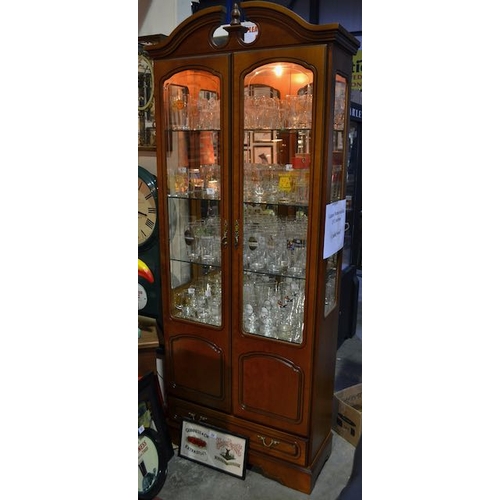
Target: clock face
pixel 147 212
pixel 143 297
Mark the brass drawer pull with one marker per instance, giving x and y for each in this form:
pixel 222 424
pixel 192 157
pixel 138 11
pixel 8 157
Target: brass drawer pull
pixel 272 443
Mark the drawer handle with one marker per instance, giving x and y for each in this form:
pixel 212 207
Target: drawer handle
pixel 192 415
pixel 272 443
pixel 224 235
pixel 202 419
pixel 236 233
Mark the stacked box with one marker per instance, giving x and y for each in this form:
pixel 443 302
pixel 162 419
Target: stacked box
pixel 347 408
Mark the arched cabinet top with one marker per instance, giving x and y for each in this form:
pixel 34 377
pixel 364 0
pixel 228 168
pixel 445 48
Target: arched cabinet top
pixel 276 26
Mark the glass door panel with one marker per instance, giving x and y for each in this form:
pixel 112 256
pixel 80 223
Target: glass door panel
pixel 277 158
pixel 191 100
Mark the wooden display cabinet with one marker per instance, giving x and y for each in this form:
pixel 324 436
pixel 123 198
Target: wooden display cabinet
pixel 251 123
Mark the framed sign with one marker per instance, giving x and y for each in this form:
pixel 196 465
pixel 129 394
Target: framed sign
pixel 214 448
pixel 263 154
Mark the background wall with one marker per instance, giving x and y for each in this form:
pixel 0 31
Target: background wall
pixel 162 16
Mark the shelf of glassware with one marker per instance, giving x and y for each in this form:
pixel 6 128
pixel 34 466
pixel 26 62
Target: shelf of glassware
pixel 195 246
pixel 275 210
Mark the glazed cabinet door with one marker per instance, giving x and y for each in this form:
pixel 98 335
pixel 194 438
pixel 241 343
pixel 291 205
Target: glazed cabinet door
pixel 195 184
pixel 281 194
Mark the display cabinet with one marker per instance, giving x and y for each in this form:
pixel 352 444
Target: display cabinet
pixel 252 134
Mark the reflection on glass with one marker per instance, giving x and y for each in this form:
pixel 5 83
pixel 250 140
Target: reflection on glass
pixel 336 182
pixel 340 107
pixel 331 284
pixel 339 120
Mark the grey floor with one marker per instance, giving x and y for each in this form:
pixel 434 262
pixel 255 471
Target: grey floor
pixel 187 480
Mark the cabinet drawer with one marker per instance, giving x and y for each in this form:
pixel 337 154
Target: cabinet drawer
pixel 279 445
pixel 179 410
pixel 261 439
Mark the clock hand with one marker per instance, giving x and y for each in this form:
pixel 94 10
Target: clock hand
pixel 140 213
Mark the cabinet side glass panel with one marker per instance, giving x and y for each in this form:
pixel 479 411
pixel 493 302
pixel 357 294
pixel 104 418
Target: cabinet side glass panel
pixel 191 103
pixel 277 157
pixel 336 182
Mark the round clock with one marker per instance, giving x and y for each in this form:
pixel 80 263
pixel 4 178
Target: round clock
pixel 147 206
pixel 146 82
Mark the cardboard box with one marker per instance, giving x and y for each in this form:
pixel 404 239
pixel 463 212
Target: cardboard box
pixel 347 408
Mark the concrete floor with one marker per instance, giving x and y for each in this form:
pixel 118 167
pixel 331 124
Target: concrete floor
pixel 187 480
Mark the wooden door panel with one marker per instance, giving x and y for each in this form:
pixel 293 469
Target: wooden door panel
pixel 270 389
pixel 196 370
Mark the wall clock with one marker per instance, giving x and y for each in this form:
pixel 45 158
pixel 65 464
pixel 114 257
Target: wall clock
pixel 155 444
pixel 148 247
pixel 147 206
pixel 153 464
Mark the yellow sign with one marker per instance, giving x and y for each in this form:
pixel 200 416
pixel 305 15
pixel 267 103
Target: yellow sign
pixel 356 71
pixel 285 182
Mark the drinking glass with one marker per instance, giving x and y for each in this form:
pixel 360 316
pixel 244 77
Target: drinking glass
pixel 298 111
pixel 192 232
pixel 211 180
pixel 179 112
